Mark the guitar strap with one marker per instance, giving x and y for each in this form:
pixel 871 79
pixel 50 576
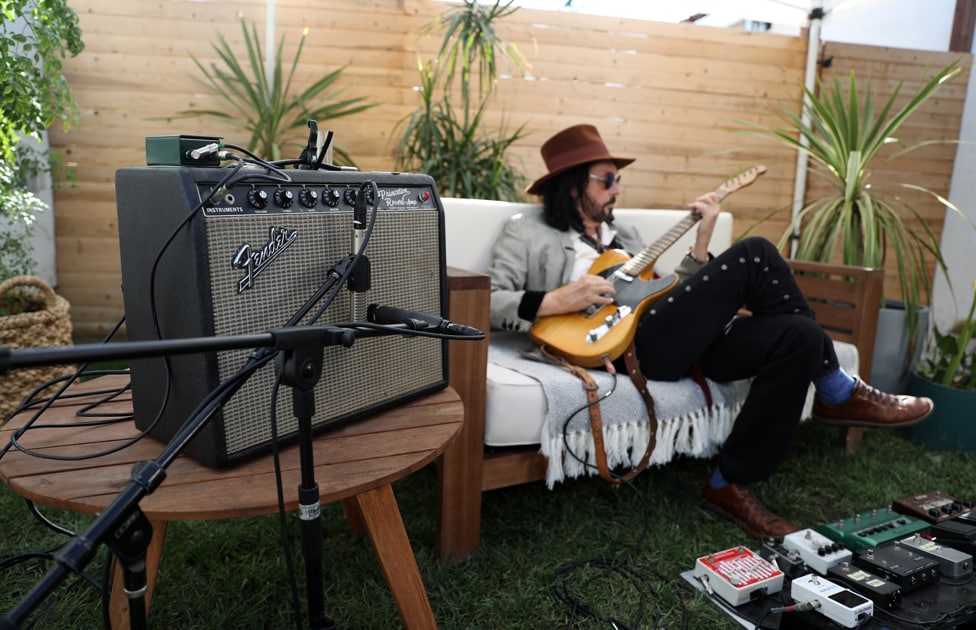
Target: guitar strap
pixel 596 420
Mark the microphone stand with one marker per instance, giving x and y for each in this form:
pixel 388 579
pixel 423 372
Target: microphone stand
pixel 300 367
pixel 122 526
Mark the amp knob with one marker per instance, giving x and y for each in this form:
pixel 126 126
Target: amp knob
pixel 257 198
pixel 284 198
pixel 331 197
pixel 308 197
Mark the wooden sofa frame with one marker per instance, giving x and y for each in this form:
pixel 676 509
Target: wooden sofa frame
pixel 846 299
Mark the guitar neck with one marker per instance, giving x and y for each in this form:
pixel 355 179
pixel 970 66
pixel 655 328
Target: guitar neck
pixel 636 265
pixel 639 263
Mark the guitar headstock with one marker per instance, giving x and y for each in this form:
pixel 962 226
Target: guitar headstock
pixel 739 181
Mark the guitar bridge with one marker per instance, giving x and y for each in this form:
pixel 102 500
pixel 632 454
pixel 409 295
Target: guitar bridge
pixel 596 334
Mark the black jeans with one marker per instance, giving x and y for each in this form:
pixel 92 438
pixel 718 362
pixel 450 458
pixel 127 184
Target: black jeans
pixel 781 347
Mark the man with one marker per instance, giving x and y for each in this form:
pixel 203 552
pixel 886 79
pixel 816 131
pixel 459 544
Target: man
pixel 540 266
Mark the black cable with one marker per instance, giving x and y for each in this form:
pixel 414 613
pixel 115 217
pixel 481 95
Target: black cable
pixel 282 520
pixel 46 521
pixel 60 394
pixel 357 256
pixel 625 567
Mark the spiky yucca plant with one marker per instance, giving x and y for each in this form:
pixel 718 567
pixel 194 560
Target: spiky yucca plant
pixel 845 136
pixel 263 105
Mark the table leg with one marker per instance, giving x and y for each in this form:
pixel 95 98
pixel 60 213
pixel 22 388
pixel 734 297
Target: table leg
pixel 385 528
pixel 119 604
pixel 353 516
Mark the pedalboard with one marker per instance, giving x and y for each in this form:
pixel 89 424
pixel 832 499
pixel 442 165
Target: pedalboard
pixel 954 564
pixel 841 605
pixel 933 507
pixel 738 575
pixel 884 594
pixel 816 550
pixel 786 560
pixel 872 529
pixel 905 567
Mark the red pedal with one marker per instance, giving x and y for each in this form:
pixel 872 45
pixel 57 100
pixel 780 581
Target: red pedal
pixel 738 575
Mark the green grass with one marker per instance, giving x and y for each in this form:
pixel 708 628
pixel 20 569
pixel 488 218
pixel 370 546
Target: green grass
pixel 232 574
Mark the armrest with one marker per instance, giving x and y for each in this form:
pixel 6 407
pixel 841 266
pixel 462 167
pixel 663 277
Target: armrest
pixel 459 470
pixel 846 299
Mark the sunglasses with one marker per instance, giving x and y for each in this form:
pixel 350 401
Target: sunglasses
pixel 608 180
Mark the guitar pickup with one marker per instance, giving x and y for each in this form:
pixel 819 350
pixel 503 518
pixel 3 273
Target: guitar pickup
pixel 609 322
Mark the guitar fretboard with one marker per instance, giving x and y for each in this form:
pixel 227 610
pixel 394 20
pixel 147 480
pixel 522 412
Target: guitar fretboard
pixel 636 265
pixel 652 252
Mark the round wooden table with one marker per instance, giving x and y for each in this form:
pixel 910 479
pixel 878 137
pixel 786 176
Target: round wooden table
pixel 354 464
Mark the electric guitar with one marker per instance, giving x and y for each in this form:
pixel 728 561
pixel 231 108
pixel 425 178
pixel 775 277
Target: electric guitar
pixel 603 331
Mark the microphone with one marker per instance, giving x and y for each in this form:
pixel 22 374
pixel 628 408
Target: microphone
pixel 359 278
pixel 418 320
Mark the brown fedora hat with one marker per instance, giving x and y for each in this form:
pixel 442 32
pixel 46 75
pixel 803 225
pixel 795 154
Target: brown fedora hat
pixel 579 144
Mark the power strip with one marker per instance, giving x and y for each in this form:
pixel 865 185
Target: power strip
pixel 841 605
pixel 816 550
pixel 737 575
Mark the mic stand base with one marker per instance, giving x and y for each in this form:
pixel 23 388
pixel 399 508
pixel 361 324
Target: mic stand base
pixel 129 544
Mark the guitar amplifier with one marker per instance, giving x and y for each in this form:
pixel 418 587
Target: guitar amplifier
pixel 243 259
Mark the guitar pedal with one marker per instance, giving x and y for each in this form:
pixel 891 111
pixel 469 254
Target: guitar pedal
pixel 816 550
pixel 934 506
pixel 737 575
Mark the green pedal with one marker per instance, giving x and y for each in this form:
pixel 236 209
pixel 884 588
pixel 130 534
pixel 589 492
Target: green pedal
pixel 871 529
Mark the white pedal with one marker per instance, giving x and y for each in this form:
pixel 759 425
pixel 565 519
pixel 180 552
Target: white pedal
pixel 816 550
pixel 738 575
pixel 840 605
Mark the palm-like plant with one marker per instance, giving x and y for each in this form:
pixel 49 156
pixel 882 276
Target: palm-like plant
pixel 447 142
pixel 845 137
pixel 264 106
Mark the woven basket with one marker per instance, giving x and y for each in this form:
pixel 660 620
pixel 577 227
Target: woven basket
pixel 47 322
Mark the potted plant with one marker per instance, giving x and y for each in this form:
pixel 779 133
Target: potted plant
pixel 946 374
pixel 34 40
pixel 865 221
pixel 446 141
pixel 35 37
pixel 263 105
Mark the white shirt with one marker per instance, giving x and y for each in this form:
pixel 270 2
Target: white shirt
pixel 586 254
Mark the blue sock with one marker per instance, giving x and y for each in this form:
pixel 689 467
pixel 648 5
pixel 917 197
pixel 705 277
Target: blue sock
pixel 717 481
pixel 835 387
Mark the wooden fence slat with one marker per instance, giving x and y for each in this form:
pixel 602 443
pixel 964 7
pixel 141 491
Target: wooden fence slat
pixel 667 94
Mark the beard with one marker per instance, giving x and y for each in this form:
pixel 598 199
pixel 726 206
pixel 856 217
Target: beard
pixel 599 213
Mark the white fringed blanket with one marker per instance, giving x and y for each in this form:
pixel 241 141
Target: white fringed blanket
pixel 685 425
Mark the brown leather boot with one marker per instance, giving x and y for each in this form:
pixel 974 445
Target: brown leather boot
pixel 740 504
pixel 869 407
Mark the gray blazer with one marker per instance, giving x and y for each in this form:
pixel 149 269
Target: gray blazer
pixel 529 255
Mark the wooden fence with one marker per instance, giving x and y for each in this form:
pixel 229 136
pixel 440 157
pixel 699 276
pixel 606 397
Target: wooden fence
pixel 667 94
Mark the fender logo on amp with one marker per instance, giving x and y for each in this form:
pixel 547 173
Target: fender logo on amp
pixel 254 261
